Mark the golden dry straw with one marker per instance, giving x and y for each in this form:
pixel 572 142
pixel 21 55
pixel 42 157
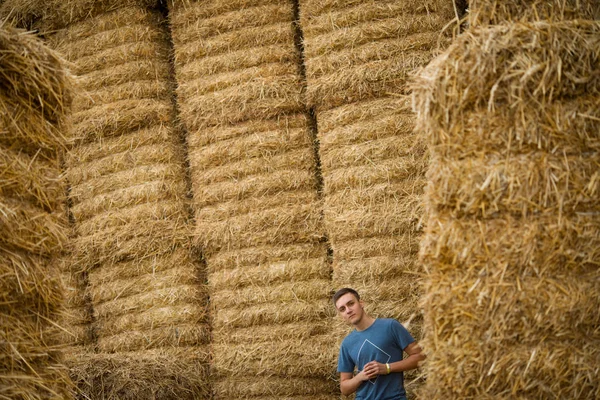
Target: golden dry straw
pixel 131 228
pixel 35 93
pixel 168 373
pixel 255 195
pixel 511 246
pixel 359 57
pixel 484 12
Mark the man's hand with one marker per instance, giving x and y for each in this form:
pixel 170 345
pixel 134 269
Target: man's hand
pixel 374 368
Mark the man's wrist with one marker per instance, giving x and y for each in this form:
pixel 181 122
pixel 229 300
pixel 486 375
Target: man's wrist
pixel 387 366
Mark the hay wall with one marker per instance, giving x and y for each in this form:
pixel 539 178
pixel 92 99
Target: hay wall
pixel 359 56
pixel 512 242
pixel 131 239
pixel 35 96
pixel 257 211
pixel 484 12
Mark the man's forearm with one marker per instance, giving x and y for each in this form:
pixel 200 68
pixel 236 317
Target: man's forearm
pixel 349 386
pixel 410 362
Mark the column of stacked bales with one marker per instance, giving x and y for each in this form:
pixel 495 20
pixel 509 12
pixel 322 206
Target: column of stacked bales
pixel 35 94
pixel 126 173
pixel 512 244
pixel 255 198
pixel 359 56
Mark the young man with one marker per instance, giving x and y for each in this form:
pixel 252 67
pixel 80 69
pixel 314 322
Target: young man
pixel 375 349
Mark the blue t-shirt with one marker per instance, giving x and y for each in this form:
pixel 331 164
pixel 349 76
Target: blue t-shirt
pixel 384 341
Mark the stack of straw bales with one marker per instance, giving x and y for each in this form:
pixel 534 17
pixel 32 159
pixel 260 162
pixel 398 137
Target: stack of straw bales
pixel 359 55
pixel 35 94
pixel 126 172
pixel 255 198
pixel 512 244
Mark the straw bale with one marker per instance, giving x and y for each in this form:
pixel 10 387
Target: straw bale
pixel 188 10
pixel 149 192
pixel 281 225
pixel 106 147
pixel 275 271
pixel 254 187
pixel 198 24
pixel 261 98
pixel 542 243
pixel 178 335
pixel 388 43
pixel 34 180
pixel 357 8
pixel 252 144
pixel 153 154
pixel 36 95
pixel 158 373
pixel 137 90
pixel 132 71
pixel 121 54
pixel 511 243
pixel 110 287
pixel 61 13
pixel 482 13
pixel 504 128
pixel 277 387
pixel 236 59
pixel 284 125
pixel 523 185
pixel 296 290
pixel 250 166
pixel 134 269
pixel 21 13
pixel 264 314
pixel 245 259
pixel 159 317
pixel 220 81
pixel 274 357
pixel 138 232
pixel 26 227
pixel 326 16
pixel 119 118
pixel 257 334
pixel 380 246
pixel 279 33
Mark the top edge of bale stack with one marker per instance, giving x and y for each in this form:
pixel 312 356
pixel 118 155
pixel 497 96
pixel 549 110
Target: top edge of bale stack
pixel 56 14
pixel 485 12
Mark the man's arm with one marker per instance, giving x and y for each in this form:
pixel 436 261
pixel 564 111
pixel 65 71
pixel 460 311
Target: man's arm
pixel 350 382
pixel 415 356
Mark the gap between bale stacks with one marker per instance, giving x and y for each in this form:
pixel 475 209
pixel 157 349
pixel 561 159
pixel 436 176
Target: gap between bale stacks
pixel 35 96
pixel 257 212
pixel 359 56
pixel 126 171
pixel 511 246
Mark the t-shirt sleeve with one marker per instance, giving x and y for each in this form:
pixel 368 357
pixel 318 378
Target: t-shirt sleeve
pixel 345 363
pixel 403 337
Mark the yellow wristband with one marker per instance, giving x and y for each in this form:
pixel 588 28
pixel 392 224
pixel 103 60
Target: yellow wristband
pixel 387 365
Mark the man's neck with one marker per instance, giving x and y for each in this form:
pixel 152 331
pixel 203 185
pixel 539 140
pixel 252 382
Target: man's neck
pixel 365 322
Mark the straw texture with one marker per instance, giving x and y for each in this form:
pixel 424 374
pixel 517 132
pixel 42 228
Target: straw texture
pixel 359 56
pixel 131 223
pixel 35 97
pixel 257 210
pixel 511 246
pixel 483 12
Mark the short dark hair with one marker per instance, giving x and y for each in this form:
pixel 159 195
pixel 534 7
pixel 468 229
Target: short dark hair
pixel 342 292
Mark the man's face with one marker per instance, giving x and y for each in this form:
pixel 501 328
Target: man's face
pixel 349 308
